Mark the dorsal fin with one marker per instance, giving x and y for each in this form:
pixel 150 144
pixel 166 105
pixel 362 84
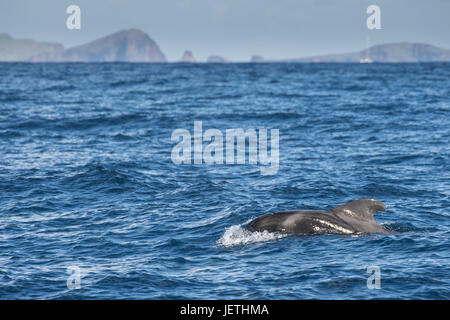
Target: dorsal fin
pixel 361 208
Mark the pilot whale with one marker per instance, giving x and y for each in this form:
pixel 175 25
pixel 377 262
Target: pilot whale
pixel 353 217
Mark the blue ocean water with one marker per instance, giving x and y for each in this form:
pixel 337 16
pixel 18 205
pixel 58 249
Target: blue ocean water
pixel 87 181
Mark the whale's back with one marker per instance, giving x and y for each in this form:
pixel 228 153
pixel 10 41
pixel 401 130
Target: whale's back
pixel 298 222
pixel 353 217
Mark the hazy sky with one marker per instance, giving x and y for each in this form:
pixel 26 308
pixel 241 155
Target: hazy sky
pixel 235 29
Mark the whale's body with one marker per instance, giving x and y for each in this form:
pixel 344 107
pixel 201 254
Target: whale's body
pixel 353 217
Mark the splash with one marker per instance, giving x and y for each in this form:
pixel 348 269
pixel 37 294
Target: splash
pixel 238 235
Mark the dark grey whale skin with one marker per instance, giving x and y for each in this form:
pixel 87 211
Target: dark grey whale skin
pixel 351 218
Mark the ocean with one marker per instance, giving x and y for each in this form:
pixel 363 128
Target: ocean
pixel 92 205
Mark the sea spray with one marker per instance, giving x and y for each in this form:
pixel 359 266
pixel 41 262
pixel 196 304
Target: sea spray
pixel 238 235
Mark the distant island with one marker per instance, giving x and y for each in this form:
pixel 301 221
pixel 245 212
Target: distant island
pixel 134 45
pixel 23 49
pixel 187 57
pixel 217 59
pixel 391 52
pixel 128 45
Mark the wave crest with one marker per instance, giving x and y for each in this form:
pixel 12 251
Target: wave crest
pixel 238 235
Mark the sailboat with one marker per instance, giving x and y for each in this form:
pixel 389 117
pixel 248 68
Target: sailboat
pixel 367 58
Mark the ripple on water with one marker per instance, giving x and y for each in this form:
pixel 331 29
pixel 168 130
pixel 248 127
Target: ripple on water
pixel 86 180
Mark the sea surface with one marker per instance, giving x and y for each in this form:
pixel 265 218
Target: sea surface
pixel 90 197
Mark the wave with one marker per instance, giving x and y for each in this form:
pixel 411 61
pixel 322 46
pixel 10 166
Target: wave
pixel 238 235
pixel 404 227
pixel 127 82
pixel 68 124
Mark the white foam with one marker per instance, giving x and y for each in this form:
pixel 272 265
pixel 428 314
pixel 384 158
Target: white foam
pixel 237 235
